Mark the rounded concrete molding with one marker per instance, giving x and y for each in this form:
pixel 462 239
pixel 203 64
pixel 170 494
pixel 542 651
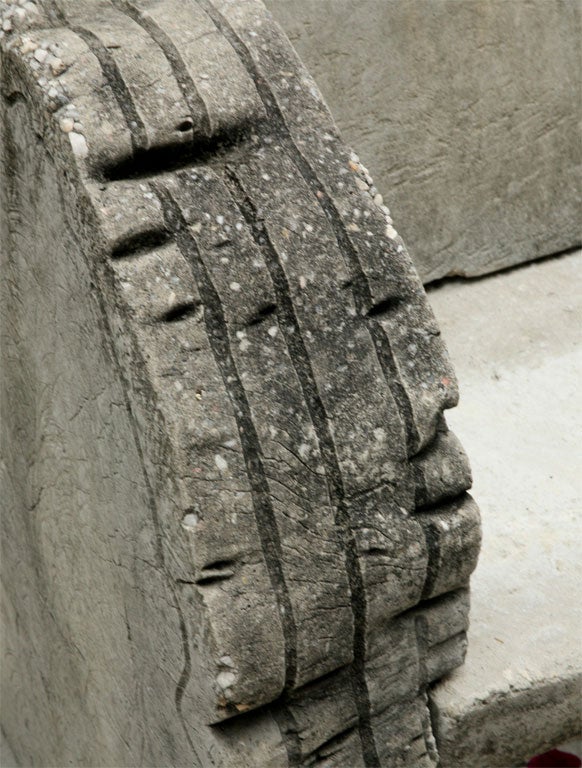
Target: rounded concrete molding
pixel 237 531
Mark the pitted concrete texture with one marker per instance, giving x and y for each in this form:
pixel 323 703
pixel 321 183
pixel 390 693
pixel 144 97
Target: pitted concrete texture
pixel 467 112
pixel 516 342
pixel 237 529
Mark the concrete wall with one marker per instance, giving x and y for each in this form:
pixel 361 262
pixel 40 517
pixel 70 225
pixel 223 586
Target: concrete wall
pixel 465 112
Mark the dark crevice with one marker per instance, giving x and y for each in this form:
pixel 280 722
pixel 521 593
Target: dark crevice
pixel 222 244
pixel 433 721
pixel 420 486
pixel 184 676
pixel 263 314
pixel 378 552
pixel 423 507
pixel 288 727
pixel 459 636
pixel 181 312
pixel 241 720
pixel 140 242
pixel 185 126
pixel 427 732
pixel 217 331
pixel 218 565
pixel 360 287
pixel 437 506
pixel 331 746
pixel 385 306
pixel 302 365
pixel 212 578
pixel 187 670
pixel 14 97
pixel 430 603
pixel 281 709
pixel 310 688
pixel 367 491
pixel 177 155
pixel 434 285
pixel 421 631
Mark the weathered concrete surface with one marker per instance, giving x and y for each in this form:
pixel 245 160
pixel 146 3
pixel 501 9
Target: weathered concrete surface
pixel 515 339
pixel 236 531
pixel 7 759
pixel 467 113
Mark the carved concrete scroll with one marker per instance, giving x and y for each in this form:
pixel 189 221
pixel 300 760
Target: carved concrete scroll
pixel 280 381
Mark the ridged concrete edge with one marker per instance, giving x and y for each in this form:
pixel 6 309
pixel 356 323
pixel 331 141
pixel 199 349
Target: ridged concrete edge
pixel 292 369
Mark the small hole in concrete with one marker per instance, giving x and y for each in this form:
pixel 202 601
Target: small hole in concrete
pixel 185 125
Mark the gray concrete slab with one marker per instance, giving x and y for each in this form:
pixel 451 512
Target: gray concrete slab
pixel 515 340
pixel 466 113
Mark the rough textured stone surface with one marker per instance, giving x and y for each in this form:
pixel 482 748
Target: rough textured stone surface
pixel 237 531
pixel 467 112
pixel 515 340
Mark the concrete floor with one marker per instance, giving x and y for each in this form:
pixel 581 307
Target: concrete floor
pixel 516 342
